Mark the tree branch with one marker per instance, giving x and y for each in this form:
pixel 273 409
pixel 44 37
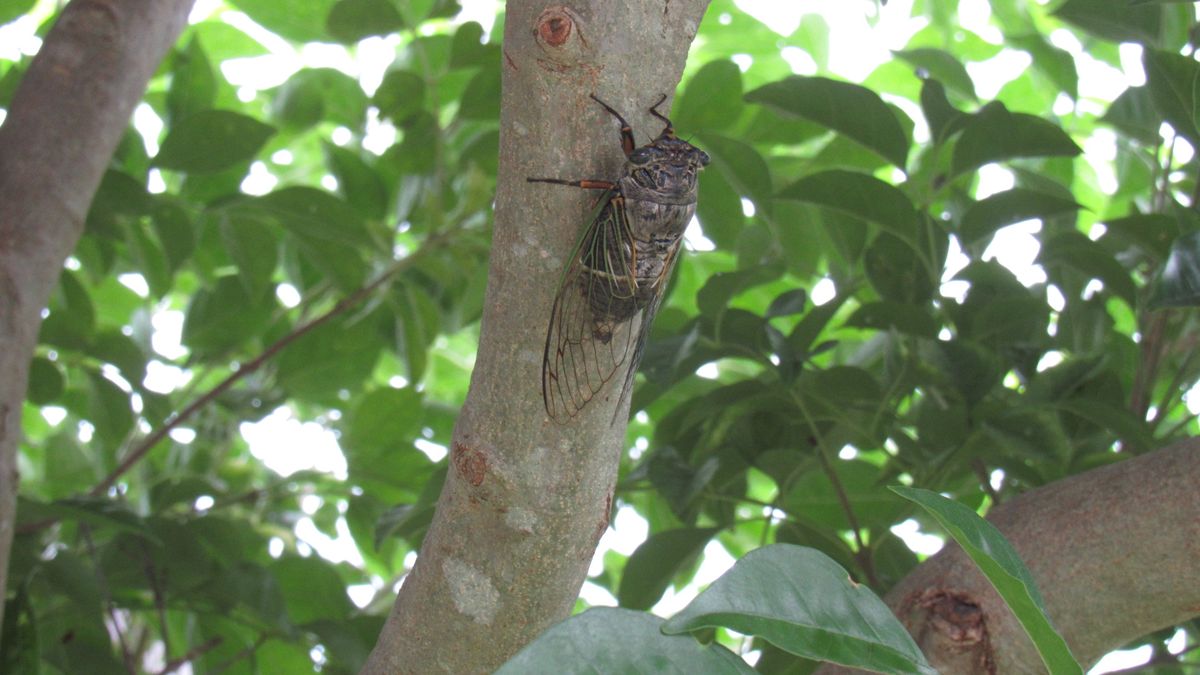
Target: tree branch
pixel 87 78
pixel 526 499
pixel 242 371
pixel 1131 528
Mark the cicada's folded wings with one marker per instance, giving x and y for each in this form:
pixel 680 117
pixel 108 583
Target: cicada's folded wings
pixel 658 294
pixel 590 334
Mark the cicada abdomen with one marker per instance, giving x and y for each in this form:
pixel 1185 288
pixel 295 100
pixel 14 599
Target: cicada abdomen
pixel 619 269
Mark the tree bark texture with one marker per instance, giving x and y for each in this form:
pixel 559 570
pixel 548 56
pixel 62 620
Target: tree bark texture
pixel 1115 552
pixel 63 125
pixel 526 499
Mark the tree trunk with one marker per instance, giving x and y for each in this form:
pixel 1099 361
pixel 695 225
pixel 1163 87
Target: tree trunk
pixel 1114 552
pixel 527 499
pixel 62 128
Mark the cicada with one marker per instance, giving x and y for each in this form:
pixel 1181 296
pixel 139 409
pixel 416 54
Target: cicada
pixel 616 278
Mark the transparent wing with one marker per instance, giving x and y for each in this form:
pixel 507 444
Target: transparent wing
pixel 647 319
pixel 586 341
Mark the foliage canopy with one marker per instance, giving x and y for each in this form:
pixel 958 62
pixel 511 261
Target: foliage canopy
pixel 317 250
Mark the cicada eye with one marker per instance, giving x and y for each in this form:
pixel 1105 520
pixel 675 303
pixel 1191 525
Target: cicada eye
pixel 641 156
pixel 703 158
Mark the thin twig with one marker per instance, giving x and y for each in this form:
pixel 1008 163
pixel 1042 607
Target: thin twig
pixel 192 655
pixel 862 554
pixel 985 481
pixel 244 653
pixel 127 656
pixel 160 600
pixel 1147 372
pixel 242 371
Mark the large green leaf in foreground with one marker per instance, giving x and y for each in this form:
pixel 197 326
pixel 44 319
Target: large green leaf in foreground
pixel 999 562
pixel 610 640
pixel 802 601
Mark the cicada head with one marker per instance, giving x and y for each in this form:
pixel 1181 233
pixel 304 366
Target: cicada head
pixel 668 165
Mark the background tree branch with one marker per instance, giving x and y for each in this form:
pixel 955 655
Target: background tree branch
pixel 526 500
pixel 1113 551
pixel 88 76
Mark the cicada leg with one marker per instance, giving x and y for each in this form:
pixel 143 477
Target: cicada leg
pixel 586 184
pixel 627 142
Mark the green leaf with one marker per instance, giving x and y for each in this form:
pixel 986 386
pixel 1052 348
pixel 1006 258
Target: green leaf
pixel 1074 250
pixel 610 640
pixel 311 589
pixel 359 183
pixel 312 214
pixel 1117 419
pixel 223 316
pixel 904 318
pixel 19 652
pixel 254 247
pixel 741 165
pixel 223 41
pixel 400 95
pixel 712 99
pixel 813 498
pixel 420 322
pixel 381 419
pixel 1057 64
pixel 991 213
pixel 1172 79
pixel 1134 114
pixel 1000 563
pixel 994 134
pixel 175 231
pixel 861 195
pixel 193 84
pixel 212 140
pixel 468 48
pixel 719 209
pixel 895 273
pixel 332 356
pixel 316 95
pixel 1115 21
pixel 481 99
pixel 45 381
pixel 298 20
pixel 941 66
pixel 113 346
pixel 1153 233
pixel 1178 282
pixel 11 9
pixel 849 109
pixel 108 411
pixel 352 20
pixel 801 601
pixel 101 513
pixel 788 303
pixel 943 118
pixel 722 287
pixel 657 561
pixel 150 257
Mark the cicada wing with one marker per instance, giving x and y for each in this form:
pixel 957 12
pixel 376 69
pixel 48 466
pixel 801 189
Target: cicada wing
pixel 646 322
pixel 585 346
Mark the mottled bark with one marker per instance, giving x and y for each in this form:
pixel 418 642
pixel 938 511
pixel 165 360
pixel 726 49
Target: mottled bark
pixel 62 127
pixel 1115 552
pixel 527 499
